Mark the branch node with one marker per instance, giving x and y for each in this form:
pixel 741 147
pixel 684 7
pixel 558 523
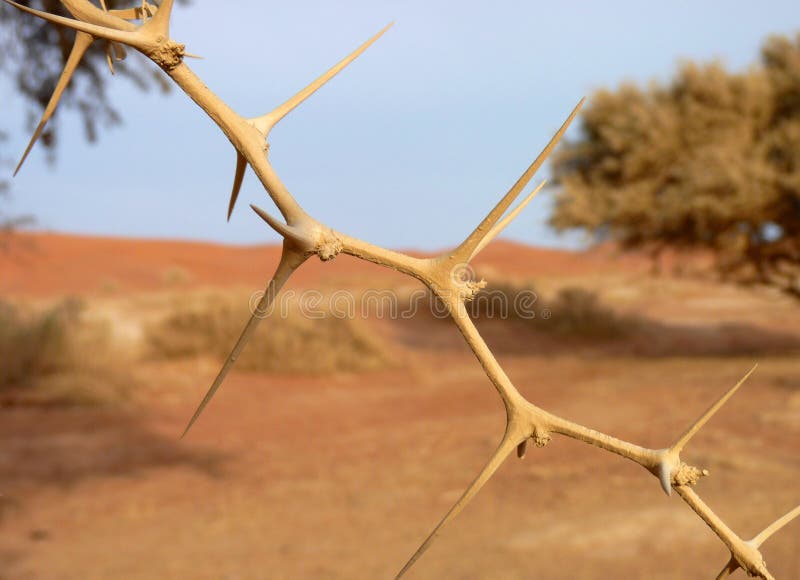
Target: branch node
pixel 671 471
pixel 329 247
pixel 688 474
pixel 168 54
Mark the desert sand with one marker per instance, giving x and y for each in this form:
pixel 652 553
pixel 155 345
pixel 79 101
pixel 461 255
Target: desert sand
pixel 341 475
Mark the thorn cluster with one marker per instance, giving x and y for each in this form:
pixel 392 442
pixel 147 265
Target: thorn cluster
pixel 304 236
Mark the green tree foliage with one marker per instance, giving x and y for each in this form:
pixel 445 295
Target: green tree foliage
pixel 709 161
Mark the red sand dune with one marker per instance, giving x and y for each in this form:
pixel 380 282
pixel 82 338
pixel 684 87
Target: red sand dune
pixel 47 264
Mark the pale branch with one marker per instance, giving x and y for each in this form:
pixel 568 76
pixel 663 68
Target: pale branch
pixel 305 236
pixel 759 539
pixel 746 555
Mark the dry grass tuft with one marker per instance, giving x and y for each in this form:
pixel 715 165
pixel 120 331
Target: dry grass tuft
pixel 58 356
pixel 208 324
pixel 578 312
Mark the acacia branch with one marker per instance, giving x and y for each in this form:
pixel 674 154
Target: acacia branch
pixel 305 236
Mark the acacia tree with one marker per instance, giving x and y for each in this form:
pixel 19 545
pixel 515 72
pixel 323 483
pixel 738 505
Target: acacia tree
pixel 709 161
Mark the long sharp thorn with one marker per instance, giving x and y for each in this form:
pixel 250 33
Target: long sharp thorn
pixel 195 56
pixel 85 11
pixel 729 569
pixel 468 246
pixel 79 48
pixel 275 224
pixel 691 431
pixel 503 450
pixel 125 37
pixel 159 23
pixel 288 264
pixel 764 535
pixel 268 121
pixel 503 223
pixel 241 167
pixel 103 5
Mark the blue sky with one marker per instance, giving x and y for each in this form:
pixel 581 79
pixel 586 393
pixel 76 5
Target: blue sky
pixel 408 147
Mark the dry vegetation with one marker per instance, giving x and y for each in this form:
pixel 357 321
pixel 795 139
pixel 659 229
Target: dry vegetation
pixel 57 355
pixel 79 352
pixel 208 323
pixel 110 483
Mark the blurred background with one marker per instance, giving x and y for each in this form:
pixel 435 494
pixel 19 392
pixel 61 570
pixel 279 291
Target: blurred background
pixel 660 262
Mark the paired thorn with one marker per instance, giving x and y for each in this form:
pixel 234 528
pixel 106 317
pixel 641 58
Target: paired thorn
pixel 468 246
pixel 498 228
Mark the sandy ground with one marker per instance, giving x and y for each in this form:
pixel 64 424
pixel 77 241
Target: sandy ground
pixel 342 476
